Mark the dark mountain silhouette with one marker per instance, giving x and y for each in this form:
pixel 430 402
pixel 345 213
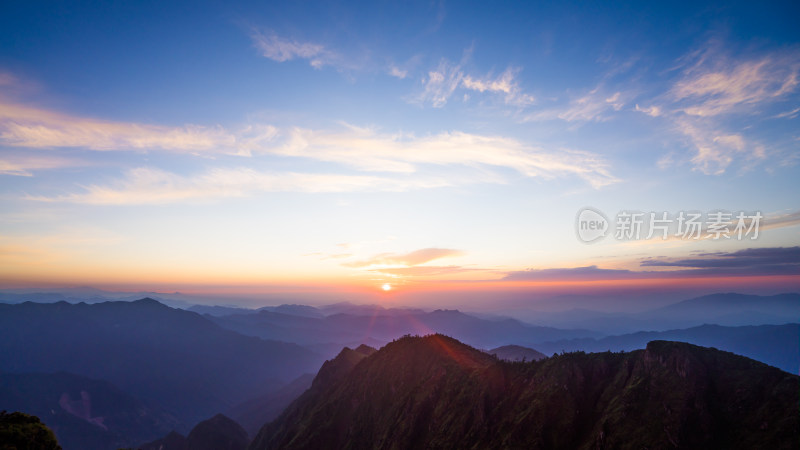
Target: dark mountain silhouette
pixel 175 358
pixel 23 431
pixel 776 345
pixel 85 414
pixel 253 414
pixel 172 441
pixel 347 328
pixel 435 392
pixel 216 433
pixel 516 353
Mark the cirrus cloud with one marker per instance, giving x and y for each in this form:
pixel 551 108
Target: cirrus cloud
pixel 411 259
pixel 146 185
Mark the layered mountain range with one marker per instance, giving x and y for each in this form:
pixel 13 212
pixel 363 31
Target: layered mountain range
pixel 120 373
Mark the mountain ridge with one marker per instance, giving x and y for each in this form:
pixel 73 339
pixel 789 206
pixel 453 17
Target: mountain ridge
pixel 436 392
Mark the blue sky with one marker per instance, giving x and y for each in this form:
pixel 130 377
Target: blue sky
pixel 273 146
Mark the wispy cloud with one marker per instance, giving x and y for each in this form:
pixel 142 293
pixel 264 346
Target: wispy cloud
pixel 504 83
pixel 787 114
pixel 282 49
pixel 713 88
pixel 25 165
pixel 715 150
pixel 398 72
pixel 366 149
pixel 414 258
pixel 442 82
pixel 773 221
pixel 652 111
pixel 413 264
pixel 32 127
pixel 714 84
pixel 424 271
pixel 153 186
pixel 595 106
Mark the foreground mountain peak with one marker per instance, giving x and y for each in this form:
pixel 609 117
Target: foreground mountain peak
pixel 433 391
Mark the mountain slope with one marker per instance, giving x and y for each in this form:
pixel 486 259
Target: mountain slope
pixel 84 413
pixel 253 414
pixel 175 358
pixel 435 392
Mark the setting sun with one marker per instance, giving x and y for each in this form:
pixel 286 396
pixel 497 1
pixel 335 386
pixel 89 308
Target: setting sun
pixel 387 287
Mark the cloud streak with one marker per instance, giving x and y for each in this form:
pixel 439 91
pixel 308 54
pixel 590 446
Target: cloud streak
pixel 592 107
pixel 153 186
pixel 411 259
pixel 25 165
pixel 365 149
pixel 716 85
pixel 713 89
pixel 31 127
pixel 442 82
pixel 279 49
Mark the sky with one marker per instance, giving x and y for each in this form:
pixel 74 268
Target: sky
pixel 416 152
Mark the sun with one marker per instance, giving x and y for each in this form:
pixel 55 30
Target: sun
pixel 386 287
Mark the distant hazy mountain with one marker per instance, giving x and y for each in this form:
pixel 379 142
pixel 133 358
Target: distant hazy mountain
pixel 176 358
pixel 776 345
pixel 346 328
pixel 216 433
pixel 365 310
pixel 516 353
pixel 85 414
pixel 253 414
pixel 217 310
pixel 436 392
pixel 720 309
pixel 292 310
pixel 87 294
pixel 736 309
pixel 295 310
